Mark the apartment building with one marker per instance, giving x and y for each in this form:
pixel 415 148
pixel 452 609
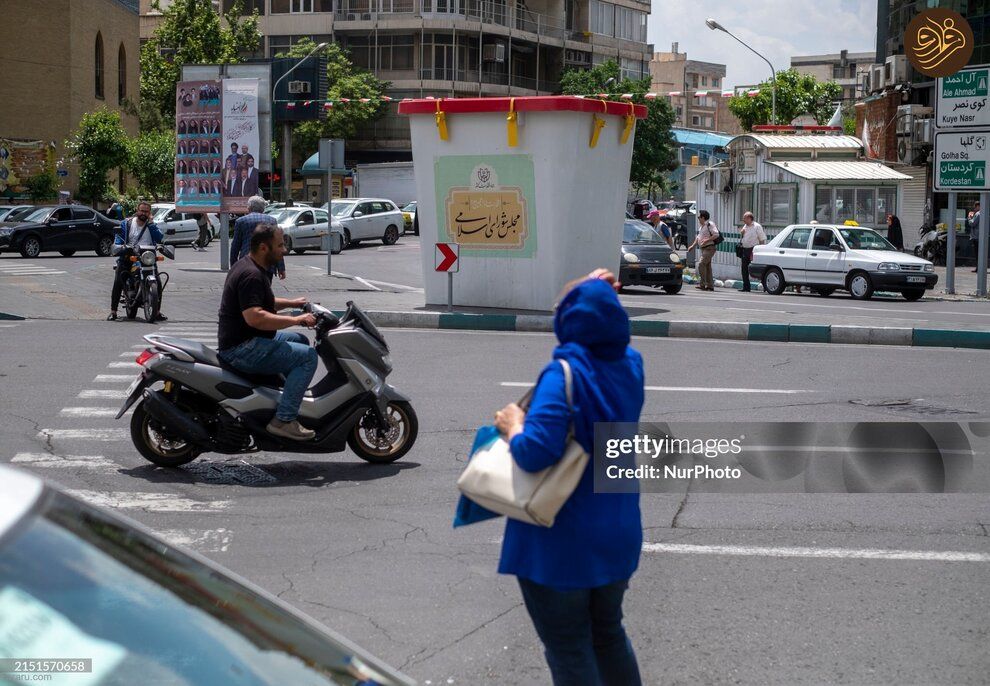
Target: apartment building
pixel 673 72
pixel 455 48
pixel 844 68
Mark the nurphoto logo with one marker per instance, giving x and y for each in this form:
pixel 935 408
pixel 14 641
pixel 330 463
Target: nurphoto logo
pixel 938 42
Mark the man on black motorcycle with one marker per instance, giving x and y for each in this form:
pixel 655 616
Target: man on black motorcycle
pixel 249 332
pixel 129 235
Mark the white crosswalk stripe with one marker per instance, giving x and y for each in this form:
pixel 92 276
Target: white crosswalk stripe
pixel 152 502
pixel 103 395
pixel 123 365
pixel 27 269
pixel 114 378
pixel 90 412
pixel 83 434
pixel 208 541
pixel 96 463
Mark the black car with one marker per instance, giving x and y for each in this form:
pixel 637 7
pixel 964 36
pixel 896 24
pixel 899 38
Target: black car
pixel 58 228
pixel 647 260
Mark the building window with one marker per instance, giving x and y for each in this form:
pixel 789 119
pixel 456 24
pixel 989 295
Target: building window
pixel 98 71
pixel 299 6
pixel 248 7
pixel 695 120
pixel 282 44
pixel 777 205
pixel 867 206
pixel 121 75
pixel 395 52
pixel 886 203
pixel 715 82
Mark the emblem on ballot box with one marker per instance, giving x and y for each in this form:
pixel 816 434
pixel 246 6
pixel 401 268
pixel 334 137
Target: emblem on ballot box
pixel 485 215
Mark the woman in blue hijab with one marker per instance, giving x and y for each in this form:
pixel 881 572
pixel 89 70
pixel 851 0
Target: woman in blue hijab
pixel 574 574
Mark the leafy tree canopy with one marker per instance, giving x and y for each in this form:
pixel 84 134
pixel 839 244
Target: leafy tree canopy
pixel 797 94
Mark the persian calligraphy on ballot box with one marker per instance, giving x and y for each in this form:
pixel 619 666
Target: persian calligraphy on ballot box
pixel 531 189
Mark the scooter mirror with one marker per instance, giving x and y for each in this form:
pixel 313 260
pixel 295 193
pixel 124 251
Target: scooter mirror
pixel 168 251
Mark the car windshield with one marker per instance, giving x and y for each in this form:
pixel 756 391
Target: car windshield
pixel 411 207
pixel 160 212
pixel 278 213
pixel 339 209
pixel 638 232
pixel 38 215
pixel 18 213
pixel 865 239
pixel 78 583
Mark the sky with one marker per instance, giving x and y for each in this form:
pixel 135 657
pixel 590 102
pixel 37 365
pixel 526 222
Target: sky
pixel 778 29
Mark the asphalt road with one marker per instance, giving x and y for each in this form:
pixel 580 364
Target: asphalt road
pixel 786 589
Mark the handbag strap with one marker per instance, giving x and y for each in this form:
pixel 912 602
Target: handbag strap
pixel 527 398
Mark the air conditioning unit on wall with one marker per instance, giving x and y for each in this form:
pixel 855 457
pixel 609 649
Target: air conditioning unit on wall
pixel 493 52
pixel 876 78
pixel 895 70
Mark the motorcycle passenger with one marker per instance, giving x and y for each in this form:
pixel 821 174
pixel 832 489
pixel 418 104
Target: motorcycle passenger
pixel 130 234
pixel 249 330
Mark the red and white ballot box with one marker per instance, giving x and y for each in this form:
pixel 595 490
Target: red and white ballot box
pixel 532 190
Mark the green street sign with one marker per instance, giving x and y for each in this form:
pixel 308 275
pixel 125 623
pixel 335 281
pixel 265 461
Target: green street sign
pixel 963 99
pixel 961 160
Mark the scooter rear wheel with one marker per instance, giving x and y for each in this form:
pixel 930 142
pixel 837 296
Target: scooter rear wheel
pixel 383 446
pixel 155 445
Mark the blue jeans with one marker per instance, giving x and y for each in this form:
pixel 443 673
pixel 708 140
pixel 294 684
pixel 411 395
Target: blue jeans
pixel 290 354
pixel 582 634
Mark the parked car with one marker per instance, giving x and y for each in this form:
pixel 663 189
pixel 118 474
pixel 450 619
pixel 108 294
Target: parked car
pixel 181 228
pixel 647 260
pixel 828 258
pixel 368 219
pixel 78 581
pixel 409 214
pixel 9 213
pixel 303 227
pixel 282 205
pixel 58 228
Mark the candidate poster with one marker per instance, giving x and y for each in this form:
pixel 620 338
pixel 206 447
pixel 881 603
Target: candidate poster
pixel 241 143
pixel 198 147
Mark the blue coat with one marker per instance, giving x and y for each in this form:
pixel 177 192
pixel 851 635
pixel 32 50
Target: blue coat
pixel 120 236
pixel 597 537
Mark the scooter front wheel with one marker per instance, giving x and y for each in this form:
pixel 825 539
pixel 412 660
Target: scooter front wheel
pixel 155 445
pixel 382 445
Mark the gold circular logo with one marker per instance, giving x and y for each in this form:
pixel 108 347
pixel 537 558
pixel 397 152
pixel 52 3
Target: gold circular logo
pixel 938 42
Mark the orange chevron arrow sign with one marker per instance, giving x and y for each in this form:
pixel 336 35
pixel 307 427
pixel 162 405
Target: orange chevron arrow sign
pixel 447 257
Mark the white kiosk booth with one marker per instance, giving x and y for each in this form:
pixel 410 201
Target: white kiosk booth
pixel 532 189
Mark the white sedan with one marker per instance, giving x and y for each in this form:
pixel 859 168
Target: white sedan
pixel 303 227
pixel 827 258
pixel 180 228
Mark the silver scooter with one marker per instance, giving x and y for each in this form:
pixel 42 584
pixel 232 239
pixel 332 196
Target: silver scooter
pixel 191 402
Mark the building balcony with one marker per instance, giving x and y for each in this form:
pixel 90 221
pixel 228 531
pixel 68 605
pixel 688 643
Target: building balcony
pixel 471 77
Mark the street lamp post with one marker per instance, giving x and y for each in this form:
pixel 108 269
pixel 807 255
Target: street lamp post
pixel 715 26
pixel 287 131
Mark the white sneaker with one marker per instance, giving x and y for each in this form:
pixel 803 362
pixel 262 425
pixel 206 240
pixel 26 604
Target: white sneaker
pixel 293 430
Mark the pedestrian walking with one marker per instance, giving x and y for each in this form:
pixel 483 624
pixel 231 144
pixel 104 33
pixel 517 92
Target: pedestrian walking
pixel 574 574
pixel 894 233
pixel 204 231
pixel 656 221
pixel 708 233
pixel 973 225
pixel 240 244
pixel 752 236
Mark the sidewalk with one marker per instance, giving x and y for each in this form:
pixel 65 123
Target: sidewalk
pixel 194 295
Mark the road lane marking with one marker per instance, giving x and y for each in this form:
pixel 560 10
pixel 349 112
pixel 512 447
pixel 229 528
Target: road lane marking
pixel 90 412
pixel 151 502
pixel 208 541
pixel 839 553
pixel 44 460
pixel 113 378
pixel 688 389
pixel 83 434
pixel 367 283
pixel 123 365
pixel 103 395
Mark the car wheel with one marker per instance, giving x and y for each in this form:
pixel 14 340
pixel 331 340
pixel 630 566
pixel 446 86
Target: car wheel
pixel 288 243
pixel 860 286
pixel 31 247
pixel 672 290
pixel 391 236
pixel 912 294
pixel 824 292
pixel 299 251
pixel 773 281
pixel 66 253
pixel 347 240
pixel 105 246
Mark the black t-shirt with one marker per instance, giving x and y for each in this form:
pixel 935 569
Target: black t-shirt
pixel 247 286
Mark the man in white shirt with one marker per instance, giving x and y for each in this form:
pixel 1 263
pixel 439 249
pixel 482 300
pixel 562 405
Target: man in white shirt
pixel 752 236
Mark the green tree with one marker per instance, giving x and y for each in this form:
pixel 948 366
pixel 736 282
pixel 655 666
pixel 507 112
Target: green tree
pixel 43 186
pixel 797 94
pixel 344 80
pixel 98 145
pixel 151 161
pixel 654 149
pixel 191 32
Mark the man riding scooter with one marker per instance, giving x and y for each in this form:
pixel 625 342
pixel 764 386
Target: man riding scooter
pixel 127 237
pixel 250 338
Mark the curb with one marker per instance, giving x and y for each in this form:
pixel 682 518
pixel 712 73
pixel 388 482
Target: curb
pixel 11 317
pixel 737 331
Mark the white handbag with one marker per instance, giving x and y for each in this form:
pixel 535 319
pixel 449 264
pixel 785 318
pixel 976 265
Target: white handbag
pixel 494 480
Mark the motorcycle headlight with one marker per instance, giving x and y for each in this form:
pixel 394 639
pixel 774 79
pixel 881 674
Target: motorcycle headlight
pixel 675 258
pixel 148 258
pixel 929 267
pixel 889 267
pixel 631 258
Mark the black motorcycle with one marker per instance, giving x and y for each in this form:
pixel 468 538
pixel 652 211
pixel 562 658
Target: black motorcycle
pixel 144 284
